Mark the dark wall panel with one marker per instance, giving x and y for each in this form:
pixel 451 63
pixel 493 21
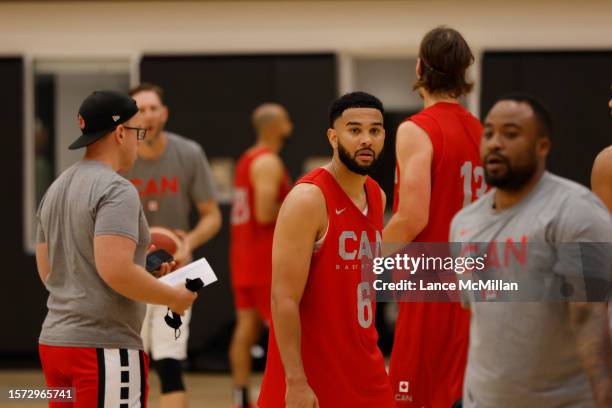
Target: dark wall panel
pixel 575 86
pixel 22 296
pixel 211 99
pixel 306 85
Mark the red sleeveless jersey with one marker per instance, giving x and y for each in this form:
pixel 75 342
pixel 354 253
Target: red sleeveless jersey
pixel 342 361
pixel 430 348
pixel 457 176
pixel 250 241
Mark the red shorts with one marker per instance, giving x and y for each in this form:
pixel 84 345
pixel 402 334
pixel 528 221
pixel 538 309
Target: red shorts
pixel 100 377
pixel 254 297
pixel 429 355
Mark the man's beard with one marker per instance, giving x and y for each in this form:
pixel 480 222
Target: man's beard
pixel 151 139
pixel 515 177
pixel 351 162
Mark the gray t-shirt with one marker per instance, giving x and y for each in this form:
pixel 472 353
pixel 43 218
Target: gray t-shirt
pixel 169 185
pixel 89 199
pixel 523 354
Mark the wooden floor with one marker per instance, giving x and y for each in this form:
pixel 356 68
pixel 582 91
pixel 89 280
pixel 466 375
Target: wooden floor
pixel 205 390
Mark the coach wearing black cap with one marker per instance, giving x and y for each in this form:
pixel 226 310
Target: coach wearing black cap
pixel 92 241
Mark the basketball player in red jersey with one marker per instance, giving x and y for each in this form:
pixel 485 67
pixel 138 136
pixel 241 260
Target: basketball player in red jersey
pixel 322 349
pixel 438 172
pixel 261 183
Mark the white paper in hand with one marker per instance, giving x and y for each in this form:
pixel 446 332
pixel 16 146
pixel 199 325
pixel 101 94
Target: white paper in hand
pixel 197 269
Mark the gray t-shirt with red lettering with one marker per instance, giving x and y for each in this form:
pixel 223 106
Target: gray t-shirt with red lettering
pixel 524 354
pixel 87 200
pixel 170 185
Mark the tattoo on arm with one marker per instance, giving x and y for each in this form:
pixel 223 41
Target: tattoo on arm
pixel 589 323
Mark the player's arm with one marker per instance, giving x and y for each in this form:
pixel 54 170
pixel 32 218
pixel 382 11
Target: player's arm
pixel 384 199
pixel 453 239
pixel 202 194
pixel 114 259
pixel 601 177
pixel 116 231
pixel 586 221
pixel 414 156
pixel 42 261
pixel 206 228
pixel 590 326
pixel 266 176
pixel 42 249
pixel 301 219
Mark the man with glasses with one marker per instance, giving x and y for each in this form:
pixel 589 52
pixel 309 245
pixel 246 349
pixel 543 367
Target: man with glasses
pixel 141 133
pixel 92 239
pixel 172 175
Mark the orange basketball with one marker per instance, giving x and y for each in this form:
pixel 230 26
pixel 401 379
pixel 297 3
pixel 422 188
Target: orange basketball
pixel 165 239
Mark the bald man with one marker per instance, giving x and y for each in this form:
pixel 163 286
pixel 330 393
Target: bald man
pixel 261 183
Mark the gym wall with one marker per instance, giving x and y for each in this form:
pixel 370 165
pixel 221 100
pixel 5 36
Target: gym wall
pixel 574 85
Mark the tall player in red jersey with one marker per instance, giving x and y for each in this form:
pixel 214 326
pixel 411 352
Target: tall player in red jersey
pixel 438 172
pixel 322 349
pixel 260 185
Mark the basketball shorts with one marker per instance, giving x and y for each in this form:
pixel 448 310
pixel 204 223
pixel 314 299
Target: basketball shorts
pixel 159 339
pixel 429 355
pixel 101 378
pixel 254 297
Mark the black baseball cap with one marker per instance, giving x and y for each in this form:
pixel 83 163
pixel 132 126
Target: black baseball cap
pixel 100 113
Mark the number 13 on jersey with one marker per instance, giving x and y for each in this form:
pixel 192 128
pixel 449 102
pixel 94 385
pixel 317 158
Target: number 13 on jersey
pixel 473 181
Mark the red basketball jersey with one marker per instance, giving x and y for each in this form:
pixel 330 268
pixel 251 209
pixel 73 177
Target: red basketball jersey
pixel 457 176
pixel 250 241
pixel 342 361
pixel 430 347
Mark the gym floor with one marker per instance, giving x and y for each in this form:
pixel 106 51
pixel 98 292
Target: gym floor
pixel 205 390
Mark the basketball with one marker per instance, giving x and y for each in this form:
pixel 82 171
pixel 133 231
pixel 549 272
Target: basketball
pixel 166 239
